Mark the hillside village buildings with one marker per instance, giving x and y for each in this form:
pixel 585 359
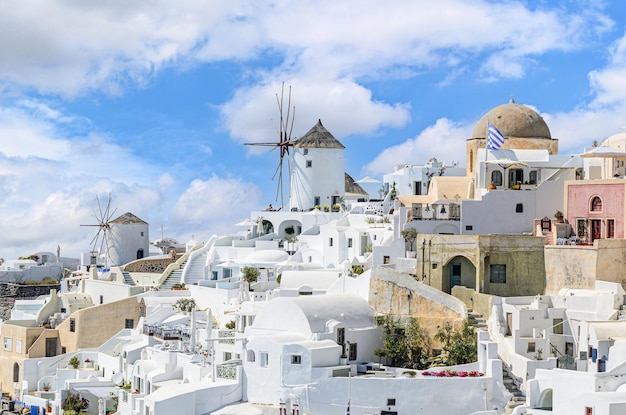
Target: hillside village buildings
pixel 530 239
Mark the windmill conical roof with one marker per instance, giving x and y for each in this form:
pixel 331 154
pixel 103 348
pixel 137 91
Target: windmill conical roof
pixel 318 137
pixel 352 186
pixel 128 219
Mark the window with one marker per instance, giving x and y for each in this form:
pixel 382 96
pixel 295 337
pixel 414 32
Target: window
pixel 316 200
pixel 296 359
pixel 386 259
pixel 263 359
pixel 72 325
pixel 8 344
pixel 330 242
pixel 349 242
pixel 391 402
pixel 352 353
pixel 519 208
pixel 533 177
pixel 18 346
pixel 228 272
pixel 610 228
pixel 251 356
pixel 531 347
pixel 496 177
pixel 498 273
pixel 341 335
pixel 588 410
pixel 142 235
pixel 516 176
pixel 469 228
pixel 16 373
pixel 227 356
pixel 129 323
pixel 557 324
pixel 101 299
pixel 596 204
pixel 305 151
pixel 309 163
pixel 581 228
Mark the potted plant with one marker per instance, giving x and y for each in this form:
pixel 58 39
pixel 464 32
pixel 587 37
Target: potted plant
pixel 46 386
pixel 336 207
pixel 88 363
pixel 74 362
pixel 326 208
pixel 559 216
pixel 179 286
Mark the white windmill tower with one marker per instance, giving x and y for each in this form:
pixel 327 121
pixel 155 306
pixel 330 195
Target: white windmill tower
pixel 99 254
pixel 120 240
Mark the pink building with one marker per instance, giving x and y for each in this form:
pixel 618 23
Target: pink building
pixel 595 208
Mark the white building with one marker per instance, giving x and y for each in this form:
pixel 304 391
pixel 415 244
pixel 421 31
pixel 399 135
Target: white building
pixel 318 177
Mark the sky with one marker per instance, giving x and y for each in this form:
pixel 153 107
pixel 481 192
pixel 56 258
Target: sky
pixel 152 102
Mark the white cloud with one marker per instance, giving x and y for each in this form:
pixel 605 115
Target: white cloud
pixel 450 147
pixel 215 204
pixel 343 106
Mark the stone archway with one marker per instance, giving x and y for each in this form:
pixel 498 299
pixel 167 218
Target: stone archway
pixel 459 270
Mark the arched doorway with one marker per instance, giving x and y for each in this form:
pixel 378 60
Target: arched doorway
pixel 458 271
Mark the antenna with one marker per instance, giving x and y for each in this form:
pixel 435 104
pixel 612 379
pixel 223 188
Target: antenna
pixel 284 130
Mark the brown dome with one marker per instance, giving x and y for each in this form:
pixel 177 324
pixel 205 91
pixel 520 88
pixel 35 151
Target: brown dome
pixel 513 120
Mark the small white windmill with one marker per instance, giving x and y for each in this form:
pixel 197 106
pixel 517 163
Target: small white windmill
pixel 102 236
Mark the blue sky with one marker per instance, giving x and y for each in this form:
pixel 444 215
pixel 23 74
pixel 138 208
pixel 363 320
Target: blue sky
pixel 152 102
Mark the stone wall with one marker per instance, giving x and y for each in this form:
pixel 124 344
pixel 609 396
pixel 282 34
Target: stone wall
pixel 156 265
pixel 8 289
pixel 401 295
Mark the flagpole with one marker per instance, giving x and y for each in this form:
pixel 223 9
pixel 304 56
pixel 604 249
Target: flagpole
pixel 486 154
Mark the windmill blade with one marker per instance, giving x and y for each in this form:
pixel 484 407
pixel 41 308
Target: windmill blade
pixel 95 238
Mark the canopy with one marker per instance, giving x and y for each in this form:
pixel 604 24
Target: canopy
pixel 368 179
pixel 507 163
pixel 604 152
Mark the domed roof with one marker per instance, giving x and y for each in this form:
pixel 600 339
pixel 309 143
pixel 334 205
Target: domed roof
pixel 616 140
pixel 513 120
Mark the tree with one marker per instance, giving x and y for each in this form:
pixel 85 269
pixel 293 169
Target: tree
pixel 185 305
pixel 251 274
pixel 405 343
pixel 409 235
pixel 459 346
pixel 291 240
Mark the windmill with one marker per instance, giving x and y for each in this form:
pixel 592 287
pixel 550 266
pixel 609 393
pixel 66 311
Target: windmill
pixel 284 130
pixel 101 238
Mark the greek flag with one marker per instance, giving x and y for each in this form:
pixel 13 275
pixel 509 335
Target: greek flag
pixel 494 138
pixel 348 409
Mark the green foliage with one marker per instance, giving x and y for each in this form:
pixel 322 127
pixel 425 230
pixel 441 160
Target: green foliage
pixel 357 269
pixel 459 346
pixel 179 286
pixel 279 277
pixel 185 305
pixel 74 362
pixel 370 220
pixel 384 219
pixel 409 235
pixel 251 274
pixel 73 402
pixel 45 281
pixel 405 343
pixel 230 325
